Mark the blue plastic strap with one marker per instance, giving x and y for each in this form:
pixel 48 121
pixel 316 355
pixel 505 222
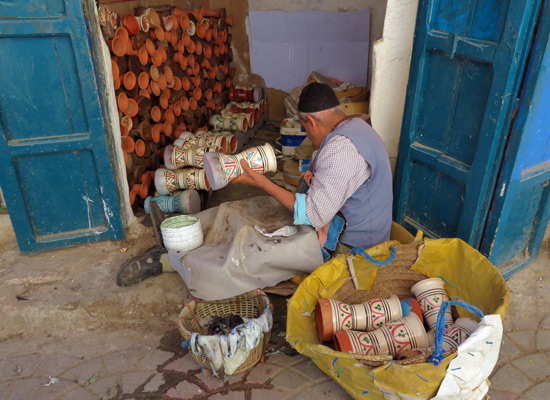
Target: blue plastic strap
pixel 437 356
pixel 363 253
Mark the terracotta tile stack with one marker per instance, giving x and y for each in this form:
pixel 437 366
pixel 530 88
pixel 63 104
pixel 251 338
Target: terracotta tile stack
pixel 171 73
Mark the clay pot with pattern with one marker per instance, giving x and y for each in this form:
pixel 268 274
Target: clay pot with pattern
pixel 239 94
pixel 431 293
pixel 458 332
pixel 332 316
pixel 223 168
pixel 221 123
pixel 186 202
pixel 168 181
pixel 394 338
pixel 176 157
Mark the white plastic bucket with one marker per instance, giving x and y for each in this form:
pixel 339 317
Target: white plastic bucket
pixel 181 233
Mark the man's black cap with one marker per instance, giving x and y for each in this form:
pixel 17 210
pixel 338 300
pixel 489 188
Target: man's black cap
pixel 317 97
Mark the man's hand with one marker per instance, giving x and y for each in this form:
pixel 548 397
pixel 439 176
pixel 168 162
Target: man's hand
pixel 249 176
pixel 308 177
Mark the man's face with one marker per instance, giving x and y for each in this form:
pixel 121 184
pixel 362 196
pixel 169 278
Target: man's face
pixel 310 125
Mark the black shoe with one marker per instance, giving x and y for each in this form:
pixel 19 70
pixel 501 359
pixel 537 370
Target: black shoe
pixel 141 267
pixel 157 216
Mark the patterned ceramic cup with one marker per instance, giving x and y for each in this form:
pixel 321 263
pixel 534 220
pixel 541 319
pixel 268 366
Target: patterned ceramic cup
pixel 332 316
pixel 168 181
pixel 431 293
pixel 178 157
pixel 393 338
pixel 458 332
pixel 187 202
pixel 220 168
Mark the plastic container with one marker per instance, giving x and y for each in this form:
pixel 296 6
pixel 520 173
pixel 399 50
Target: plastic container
pixel 292 136
pixel 181 233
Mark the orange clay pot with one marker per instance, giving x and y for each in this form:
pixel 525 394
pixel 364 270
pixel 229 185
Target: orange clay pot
pixel 170 22
pixel 155 89
pixel 122 102
pixel 140 148
pixel 167 128
pixel 159 33
pixel 184 21
pixel 118 46
pixel 156 114
pixel 128 144
pixel 132 109
pixel 129 80
pixel 143 55
pixel 143 80
pixel 130 23
pixel 184 104
pixel 151 48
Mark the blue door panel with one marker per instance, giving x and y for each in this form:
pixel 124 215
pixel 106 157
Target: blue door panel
pixel 467 62
pixel 58 182
pixel 520 211
pixel 40 78
pixel 31 9
pixel 72 170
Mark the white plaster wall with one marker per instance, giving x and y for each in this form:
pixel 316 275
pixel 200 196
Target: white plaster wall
pixel 377 10
pixel 391 62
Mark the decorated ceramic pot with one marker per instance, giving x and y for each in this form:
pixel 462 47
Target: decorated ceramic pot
pixel 182 233
pixel 332 316
pixel 229 123
pixel 431 293
pixel 168 181
pixel 223 168
pixel 393 338
pixel 176 157
pixel 458 332
pixel 187 202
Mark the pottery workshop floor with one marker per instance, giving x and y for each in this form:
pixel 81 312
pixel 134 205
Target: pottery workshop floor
pixel 68 332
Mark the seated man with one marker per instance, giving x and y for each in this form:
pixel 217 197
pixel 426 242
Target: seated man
pixel 350 175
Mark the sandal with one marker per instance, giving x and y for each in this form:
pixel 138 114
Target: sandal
pixel 141 267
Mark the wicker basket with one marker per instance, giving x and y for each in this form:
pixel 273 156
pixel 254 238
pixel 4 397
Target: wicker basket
pixel 247 305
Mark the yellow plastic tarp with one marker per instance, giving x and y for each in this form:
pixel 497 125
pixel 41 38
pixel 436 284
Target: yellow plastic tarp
pixel 469 276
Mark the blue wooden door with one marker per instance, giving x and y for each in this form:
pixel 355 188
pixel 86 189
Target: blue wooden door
pixel 467 63
pixel 521 206
pixel 56 177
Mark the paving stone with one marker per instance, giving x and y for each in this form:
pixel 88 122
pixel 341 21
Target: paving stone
pixel 508 350
pixel 543 340
pixel 498 395
pixel 328 390
pixel 5 388
pixel 232 395
pixel 54 390
pixel 272 394
pixel 132 380
pixel 545 323
pixel 210 381
pixel 524 339
pixel 310 370
pixel 20 366
pixel 153 358
pixel 525 322
pixel 509 380
pixel 288 380
pixel 183 364
pixel 108 387
pixel 23 388
pixel 122 361
pixel 262 372
pixel 183 390
pixel 154 384
pixel 56 364
pixel 79 394
pixel 535 366
pixel 540 391
pixel 281 358
pixel 88 369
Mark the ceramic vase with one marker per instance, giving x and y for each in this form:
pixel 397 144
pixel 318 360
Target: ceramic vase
pixel 187 202
pixel 168 181
pixel 431 293
pixel 220 168
pixel 332 316
pixel 221 123
pixel 394 338
pixel 176 157
pixel 236 115
pixel 458 332
pixel 239 93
